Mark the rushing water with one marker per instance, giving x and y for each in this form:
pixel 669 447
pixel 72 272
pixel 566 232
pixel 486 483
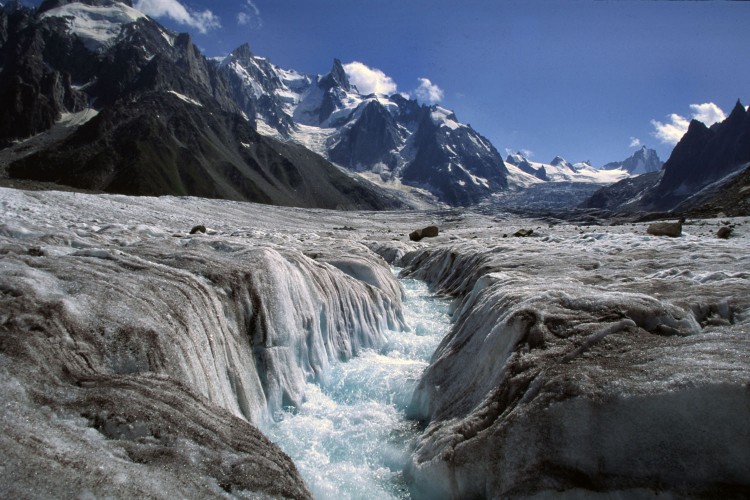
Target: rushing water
pixel 350 438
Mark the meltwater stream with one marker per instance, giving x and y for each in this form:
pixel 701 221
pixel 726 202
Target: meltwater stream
pixel 350 438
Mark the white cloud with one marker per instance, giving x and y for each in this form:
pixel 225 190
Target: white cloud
pixel 203 21
pixel 250 15
pixel 635 142
pixel 369 80
pixel 428 92
pixel 526 153
pixel 672 131
pixel 708 113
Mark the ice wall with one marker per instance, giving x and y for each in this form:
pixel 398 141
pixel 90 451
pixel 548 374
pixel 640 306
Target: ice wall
pixel 113 318
pixel 585 362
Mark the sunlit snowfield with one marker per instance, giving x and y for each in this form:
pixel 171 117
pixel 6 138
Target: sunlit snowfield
pixel 350 439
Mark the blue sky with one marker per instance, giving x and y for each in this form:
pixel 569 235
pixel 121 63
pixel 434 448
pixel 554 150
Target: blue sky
pixel 584 80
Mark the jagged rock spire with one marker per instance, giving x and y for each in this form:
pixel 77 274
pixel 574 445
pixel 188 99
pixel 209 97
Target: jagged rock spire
pixel 337 77
pixel 242 52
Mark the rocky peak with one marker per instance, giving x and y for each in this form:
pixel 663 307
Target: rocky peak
pixel 336 78
pixel 737 115
pixel 515 159
pixel 558 161
pixel 242 53
pixel 643 161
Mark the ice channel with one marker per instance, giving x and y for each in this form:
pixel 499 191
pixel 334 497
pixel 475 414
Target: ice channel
pixel 350 438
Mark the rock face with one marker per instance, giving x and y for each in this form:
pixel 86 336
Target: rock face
pixel 136 363
pixel 570 382
pixel 166 120
pixel 731 196
pixel 705 155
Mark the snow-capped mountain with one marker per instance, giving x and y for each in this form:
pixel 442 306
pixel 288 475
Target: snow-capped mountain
pixel 392 138
pixel 96 95
pixel 643 161
pixel 524 172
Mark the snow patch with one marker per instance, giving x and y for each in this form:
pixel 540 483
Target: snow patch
pixel 444 117
pixel 185 98
pixel 78 118
pixel 96 26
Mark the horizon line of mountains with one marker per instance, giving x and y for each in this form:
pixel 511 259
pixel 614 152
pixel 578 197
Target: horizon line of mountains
pixel 121 104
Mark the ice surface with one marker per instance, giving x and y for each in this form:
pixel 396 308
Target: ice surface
pixel 113 293
pixel 586 357
pixel 580 359
pixel 78 118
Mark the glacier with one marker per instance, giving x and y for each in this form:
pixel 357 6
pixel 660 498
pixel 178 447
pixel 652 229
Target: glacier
pixel 587 361
pixel 109 305
pixel 584 360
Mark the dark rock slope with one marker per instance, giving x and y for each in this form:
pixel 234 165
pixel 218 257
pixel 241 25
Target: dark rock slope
pixel 703 164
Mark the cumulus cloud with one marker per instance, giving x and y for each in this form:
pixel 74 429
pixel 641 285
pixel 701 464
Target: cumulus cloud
pixel 708 113
pixel 635 142
pixel 203 21
pixel 428 92
pixel 369 80
pixel 250 15
pixel 672 131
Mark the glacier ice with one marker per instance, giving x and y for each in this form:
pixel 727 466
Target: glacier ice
pixel 137 359
pixel 117 319
pixel 598 360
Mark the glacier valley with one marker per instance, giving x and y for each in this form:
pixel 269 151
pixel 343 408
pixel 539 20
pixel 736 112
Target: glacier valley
pixel 274 353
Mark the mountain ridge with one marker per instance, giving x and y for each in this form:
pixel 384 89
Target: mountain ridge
pixel 164 122
pixel 705 157
pixel 392 136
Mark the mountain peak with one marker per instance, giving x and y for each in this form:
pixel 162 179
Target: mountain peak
pixel 242 52
pixel 739 110
pixel 337 77
pixel 643 161
pixel 559 161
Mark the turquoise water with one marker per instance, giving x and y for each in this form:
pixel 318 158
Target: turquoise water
pixel 350 438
